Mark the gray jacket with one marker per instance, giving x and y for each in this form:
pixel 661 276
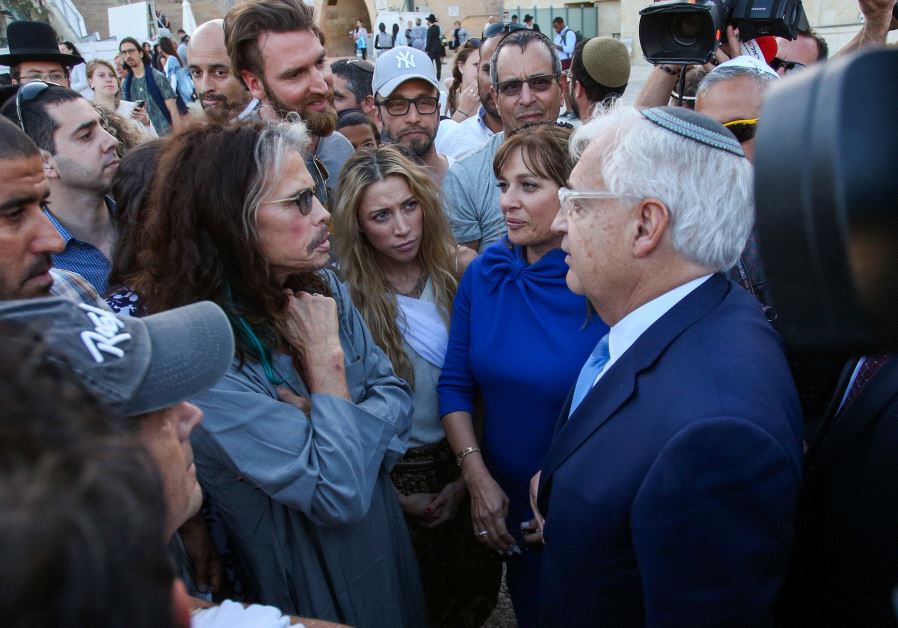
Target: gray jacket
pixel 306 500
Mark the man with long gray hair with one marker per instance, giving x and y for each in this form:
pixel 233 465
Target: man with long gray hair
pixel 669 490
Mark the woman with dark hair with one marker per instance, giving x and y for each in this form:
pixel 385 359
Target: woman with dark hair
pixel 131 187
pixel 463 100
pixel 524 367
pixel 78 76
pixel 300 435
pixel 401 265
pixel 396 34
pixel 171 64
pixel 382 40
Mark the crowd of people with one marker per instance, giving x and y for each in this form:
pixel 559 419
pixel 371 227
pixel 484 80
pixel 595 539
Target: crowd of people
pixel 336 352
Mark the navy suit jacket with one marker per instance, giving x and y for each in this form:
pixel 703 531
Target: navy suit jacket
pixel 670 494
pixel 845 565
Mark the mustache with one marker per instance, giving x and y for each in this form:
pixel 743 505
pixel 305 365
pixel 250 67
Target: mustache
pixel 414 129
pixel 42 265
pixel 314 244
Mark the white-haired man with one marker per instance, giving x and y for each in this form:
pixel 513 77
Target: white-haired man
pixel 670 487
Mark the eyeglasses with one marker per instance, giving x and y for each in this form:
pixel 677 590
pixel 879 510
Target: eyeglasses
pixel 566 197
pixel 473 42
pixel 425 105
pixel 27 93
pixel 744 130
pixel 303 200
pixel 537 83
pixel 501 27
pixel 52 77
pixel 788 66
pixel 129 51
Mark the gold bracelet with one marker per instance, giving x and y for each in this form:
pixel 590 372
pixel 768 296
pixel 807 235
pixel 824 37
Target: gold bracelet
pixel 464 453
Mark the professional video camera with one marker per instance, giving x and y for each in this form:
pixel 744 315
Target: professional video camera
pixel 827 204
pixel 689 31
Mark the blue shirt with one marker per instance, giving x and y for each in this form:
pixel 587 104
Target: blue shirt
pixel 520 336
pixel 81 257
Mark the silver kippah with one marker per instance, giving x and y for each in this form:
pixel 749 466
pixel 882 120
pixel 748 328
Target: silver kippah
pixel 694 126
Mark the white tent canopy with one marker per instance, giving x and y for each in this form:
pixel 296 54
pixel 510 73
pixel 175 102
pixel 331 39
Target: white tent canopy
pixel 188 22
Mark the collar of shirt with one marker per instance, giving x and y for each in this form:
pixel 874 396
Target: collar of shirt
pixel 63 232
pixel 628 330
pixel 481 114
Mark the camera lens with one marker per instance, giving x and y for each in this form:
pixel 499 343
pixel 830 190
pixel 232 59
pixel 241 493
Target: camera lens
pixel 687 28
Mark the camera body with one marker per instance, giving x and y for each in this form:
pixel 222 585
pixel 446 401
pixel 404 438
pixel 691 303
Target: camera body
pixel 689 31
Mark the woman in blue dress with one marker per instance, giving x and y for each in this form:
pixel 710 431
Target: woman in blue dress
pixel 518 339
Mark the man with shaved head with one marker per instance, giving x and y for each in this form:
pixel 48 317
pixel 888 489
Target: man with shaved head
pixel 221 92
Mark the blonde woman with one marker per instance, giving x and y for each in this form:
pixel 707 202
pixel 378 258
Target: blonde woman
pixel 401 265
pixel 104 82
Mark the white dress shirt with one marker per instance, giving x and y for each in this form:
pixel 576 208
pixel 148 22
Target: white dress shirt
pixel 628 329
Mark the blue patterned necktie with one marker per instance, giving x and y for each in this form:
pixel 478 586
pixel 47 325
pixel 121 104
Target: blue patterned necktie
pixel 594 365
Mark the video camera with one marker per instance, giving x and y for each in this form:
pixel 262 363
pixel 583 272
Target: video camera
pixel 827 204
pixel 689 31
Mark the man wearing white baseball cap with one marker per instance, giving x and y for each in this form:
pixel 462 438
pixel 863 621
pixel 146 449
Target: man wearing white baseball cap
pixel 407 101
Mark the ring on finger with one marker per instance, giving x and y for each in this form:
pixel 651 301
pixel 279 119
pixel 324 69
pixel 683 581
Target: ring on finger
pixel 483 533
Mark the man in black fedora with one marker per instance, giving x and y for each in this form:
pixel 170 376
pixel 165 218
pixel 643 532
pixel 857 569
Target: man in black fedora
pixel 434 44
pixel 34 54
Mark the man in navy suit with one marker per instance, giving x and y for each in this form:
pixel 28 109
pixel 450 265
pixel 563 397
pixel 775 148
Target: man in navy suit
pixel 668 494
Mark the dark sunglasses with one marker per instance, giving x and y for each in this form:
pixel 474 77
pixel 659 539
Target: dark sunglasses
pixel 501 27
pixel 537 83
pixel 426 105
pixel 303 200
pixel 744 130
pixel 473 42
pixel 27 93
pixel 323 176
pixel 788 66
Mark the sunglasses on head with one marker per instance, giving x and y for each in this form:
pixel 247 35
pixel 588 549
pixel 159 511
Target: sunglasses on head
pixel 536 82
pixel 473 42
pixel 28 92
pixel 744 130
pixel 500 27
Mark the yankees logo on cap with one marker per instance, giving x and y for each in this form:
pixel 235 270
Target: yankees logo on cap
pixel 401 64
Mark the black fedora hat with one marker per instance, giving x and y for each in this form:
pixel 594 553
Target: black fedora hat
pixel 35 41
pixel 431 18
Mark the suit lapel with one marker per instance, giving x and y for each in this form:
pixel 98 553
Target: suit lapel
pixel 618 383
pixel 879 391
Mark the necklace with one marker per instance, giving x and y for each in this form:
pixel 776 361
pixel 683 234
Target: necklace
pixel 416 291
